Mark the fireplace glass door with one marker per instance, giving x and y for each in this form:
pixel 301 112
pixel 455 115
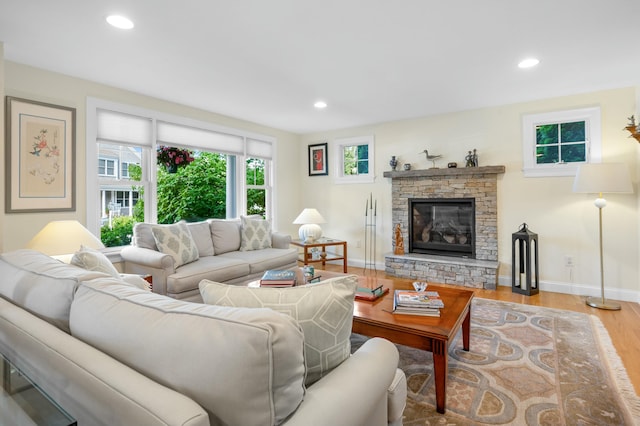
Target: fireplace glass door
pixel 442 226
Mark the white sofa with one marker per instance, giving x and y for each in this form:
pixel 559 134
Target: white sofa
pixel 113 354
pixel 223 256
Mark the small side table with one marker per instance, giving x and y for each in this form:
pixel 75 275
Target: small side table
pixel 325 256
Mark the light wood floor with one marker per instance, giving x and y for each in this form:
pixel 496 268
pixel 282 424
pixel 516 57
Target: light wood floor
pixel 623 326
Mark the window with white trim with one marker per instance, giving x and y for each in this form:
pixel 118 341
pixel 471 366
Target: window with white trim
pixel 555 143
pixel 126 139
pixel 353 160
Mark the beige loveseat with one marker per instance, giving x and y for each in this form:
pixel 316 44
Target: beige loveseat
pixel 231 251
pixel 113 354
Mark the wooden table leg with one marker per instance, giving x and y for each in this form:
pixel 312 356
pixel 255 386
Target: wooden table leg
pixel 440 371
pixel 466 330
pixel 344 255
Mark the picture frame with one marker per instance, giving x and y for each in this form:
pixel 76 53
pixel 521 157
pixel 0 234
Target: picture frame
pixel 318 160
pixel 40 172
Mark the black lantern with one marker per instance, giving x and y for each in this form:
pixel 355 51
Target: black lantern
pixel 524 276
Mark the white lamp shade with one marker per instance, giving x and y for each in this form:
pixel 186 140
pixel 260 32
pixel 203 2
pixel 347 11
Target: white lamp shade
pixel 310 231
pixel 602 178
pixel 62 238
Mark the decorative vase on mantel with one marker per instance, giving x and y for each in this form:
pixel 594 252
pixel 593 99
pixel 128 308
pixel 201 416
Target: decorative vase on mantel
pixel 393 163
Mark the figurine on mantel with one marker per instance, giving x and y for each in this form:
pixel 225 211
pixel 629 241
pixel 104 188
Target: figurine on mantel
pixel 471 159
pixel 431 158
pixel 393 163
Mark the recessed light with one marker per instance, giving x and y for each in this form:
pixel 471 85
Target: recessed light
pixel 528 63
pixel 119 21
pixel 320 104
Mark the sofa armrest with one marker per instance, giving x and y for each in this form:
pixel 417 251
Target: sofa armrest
pixel 138 260
pixel 280 240
pixel 365 376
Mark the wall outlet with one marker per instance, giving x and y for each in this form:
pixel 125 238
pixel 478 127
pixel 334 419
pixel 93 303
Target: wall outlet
pixel 358 243
pixel 568 261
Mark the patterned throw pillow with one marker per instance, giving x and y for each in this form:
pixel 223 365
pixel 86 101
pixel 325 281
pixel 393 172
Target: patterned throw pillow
pixel 94 260
pixel 176 241
pixel 323 310
pixel 255 234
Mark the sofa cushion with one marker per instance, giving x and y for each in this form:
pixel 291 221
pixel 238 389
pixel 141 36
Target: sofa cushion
pixel 225 234
pixel 259 261
pixel 216 268
pixel 41 285
pixel 94 260
pixel 143 237
pixel 243 366
pixel 176 241
pixel 201 233
pixel 323 310
pixel 255 234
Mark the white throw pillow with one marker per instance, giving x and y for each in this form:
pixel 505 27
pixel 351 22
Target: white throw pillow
pixel 323 310
pixel 176 241
pixel 255 234
pixel 94 260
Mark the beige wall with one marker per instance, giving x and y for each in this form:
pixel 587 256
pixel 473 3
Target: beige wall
pixel 567 223
pixel 37 84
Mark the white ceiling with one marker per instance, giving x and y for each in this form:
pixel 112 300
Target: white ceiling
pixel 268 61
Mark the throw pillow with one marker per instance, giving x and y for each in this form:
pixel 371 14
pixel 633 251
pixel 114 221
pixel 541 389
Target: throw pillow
pixel 94 260
pixel 176 241
pixel 255 234
pixel 323 310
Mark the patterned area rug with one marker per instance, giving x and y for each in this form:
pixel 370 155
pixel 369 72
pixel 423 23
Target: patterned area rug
pixel 527 366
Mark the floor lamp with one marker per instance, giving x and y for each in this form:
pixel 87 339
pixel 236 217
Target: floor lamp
pixel 602 178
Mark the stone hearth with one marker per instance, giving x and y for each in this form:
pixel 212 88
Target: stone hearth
pixel 479 183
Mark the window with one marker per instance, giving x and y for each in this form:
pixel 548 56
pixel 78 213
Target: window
pixel 555 143
pixel 124 173
pixel 125 183
pixel 353 160
pixel 106 167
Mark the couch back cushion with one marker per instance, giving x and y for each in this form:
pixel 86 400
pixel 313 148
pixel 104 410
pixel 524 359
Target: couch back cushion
pixel 323 310
pixel 41 285
pixel 225 234
pixel 143 237
pixel 201 233
pixel 243 366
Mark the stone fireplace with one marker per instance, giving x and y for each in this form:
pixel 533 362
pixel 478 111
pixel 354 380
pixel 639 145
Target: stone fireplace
pixel 449 219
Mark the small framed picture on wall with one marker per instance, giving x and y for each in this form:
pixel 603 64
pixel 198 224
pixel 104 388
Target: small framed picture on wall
pixel 318 159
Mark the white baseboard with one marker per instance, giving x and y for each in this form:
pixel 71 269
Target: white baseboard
pixel 581 289
pixel 550 286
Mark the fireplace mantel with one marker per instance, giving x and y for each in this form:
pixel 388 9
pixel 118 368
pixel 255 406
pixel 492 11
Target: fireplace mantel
pixel 454 171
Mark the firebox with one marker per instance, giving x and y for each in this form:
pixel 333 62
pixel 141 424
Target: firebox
pixel 442 226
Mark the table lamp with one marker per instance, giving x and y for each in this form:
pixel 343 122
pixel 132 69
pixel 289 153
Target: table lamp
pixel 60 239
pixel 310 231
pixel 602 178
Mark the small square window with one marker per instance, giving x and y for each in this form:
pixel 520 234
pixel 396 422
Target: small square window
pixel 555 143
pixel 353 160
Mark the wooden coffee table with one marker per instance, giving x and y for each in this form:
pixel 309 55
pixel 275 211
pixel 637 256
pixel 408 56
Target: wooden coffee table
pixel 375 319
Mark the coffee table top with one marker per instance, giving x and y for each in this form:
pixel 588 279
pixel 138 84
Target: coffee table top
pixel 379 313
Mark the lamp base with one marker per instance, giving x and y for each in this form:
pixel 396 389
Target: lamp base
pixel 600 303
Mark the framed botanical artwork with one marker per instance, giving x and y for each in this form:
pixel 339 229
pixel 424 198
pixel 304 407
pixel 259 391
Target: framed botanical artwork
pixel 40 157
pixel 318 159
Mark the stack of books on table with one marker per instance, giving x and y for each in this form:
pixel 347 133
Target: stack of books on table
pixel 278 278
pixel 410 302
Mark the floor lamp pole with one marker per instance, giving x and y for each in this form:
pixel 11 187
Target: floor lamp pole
pixel 601 302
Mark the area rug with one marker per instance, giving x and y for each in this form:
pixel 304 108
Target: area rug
pixel 527 365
